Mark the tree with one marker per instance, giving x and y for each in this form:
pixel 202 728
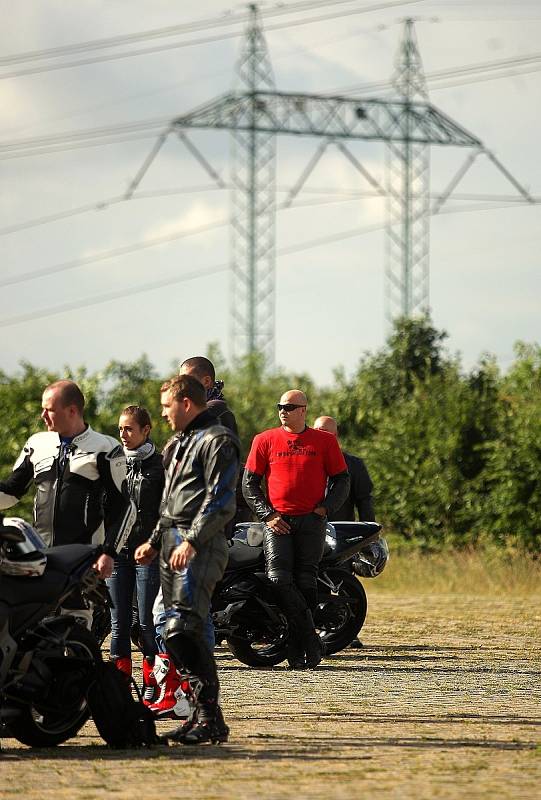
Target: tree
pixel 511 511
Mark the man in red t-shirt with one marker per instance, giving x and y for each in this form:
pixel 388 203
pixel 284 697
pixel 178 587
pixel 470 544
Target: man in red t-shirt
pixel 306 477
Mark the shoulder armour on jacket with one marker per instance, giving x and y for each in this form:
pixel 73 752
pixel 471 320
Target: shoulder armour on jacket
pixel 116 452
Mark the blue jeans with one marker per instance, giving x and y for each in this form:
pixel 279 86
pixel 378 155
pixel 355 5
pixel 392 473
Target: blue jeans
pixel 127 576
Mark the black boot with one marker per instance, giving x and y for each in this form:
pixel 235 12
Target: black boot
pixel 210 726
pixel 177 734
pixel 293 604
pixel 203 732
pixel 295 642
pixel 208 723
pixel 312 643
pixel 295 654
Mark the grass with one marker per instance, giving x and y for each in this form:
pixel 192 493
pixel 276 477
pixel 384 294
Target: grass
pixel 473 572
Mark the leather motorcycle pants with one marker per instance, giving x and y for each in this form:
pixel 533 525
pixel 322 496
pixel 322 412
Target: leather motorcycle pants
pixel 292 559
pixel 187 595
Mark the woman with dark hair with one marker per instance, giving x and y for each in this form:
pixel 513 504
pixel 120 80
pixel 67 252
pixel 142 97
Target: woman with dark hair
pixel 145 476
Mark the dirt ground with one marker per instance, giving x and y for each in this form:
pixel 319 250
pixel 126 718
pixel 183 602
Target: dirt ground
pixel 443 701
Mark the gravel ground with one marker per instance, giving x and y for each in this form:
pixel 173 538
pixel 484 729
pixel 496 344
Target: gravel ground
pixel 442 701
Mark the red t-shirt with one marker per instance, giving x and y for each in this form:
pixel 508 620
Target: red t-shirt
pixel 296 467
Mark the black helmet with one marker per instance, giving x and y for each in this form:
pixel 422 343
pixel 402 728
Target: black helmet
pixel 371 561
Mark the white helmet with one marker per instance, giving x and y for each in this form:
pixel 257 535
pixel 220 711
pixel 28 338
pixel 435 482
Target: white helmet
pixel 26 557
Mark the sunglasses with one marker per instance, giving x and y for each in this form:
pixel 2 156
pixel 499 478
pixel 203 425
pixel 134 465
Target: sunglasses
pixel 288 407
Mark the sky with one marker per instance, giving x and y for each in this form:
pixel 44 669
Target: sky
pixel 485 277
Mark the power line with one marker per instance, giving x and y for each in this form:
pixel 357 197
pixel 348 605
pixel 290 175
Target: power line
pixel 104 298
pixel 338 196
pixel 13 145
pixel 117 134
pixel 443 74
pixel 289 250
pixel 170 30
pixel 102 205
pixel 105 255
pixel 204 40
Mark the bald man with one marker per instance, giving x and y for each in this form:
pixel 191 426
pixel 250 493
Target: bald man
pixel 307 479
pixel 360 489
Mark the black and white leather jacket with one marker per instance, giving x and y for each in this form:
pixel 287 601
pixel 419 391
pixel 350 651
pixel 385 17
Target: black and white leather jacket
pixel 84 500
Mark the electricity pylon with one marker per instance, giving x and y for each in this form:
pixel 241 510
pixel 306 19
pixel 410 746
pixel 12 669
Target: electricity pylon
pixel 408 194
pixel 408 125
pixel 253 208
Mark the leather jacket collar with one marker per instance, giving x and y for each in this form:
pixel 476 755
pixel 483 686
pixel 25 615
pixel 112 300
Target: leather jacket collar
pixel 203 420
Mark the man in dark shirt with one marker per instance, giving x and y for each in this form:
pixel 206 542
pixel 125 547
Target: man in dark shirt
pixel 360 487
pixel 203 369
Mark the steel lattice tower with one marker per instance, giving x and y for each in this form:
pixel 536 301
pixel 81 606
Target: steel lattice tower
pixel 255 114
pixel 408 193
pixel 253 208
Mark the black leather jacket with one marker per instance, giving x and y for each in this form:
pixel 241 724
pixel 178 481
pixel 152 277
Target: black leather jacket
pixel 146 478
pixel 80 501
pixel 199 494
pixel 360 493
pixel 337 491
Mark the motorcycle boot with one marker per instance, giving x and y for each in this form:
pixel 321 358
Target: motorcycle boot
pixel 189 649
pixel 295 645
pixel 171 702
pixel 123 665
pixel 207 730
pixel 312 643
pixel 150 684
pixel 293 604
pixel 207 725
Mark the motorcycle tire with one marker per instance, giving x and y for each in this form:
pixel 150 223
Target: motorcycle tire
pixel 248 653
pixel 338 624
pixel 43 727
pixel 259 645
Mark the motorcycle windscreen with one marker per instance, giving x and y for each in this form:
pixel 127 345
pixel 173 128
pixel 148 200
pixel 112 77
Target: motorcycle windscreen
pixel 347 538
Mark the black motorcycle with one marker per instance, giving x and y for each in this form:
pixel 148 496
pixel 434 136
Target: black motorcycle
pixel 244 607
pixel 46 662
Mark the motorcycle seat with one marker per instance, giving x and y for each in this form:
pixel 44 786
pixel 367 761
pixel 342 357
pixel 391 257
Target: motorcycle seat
pixel 244 555
pixel 18 590
pixel 67 557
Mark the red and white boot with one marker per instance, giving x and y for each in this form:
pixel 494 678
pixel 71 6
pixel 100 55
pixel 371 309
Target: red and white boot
pixel 172 701
pixel 150 684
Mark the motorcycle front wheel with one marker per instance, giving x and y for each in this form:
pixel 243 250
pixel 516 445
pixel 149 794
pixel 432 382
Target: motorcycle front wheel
pixel 64 710
pixel 341 611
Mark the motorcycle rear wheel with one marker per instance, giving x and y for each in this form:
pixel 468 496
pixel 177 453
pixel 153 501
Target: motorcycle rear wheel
pixel 340 616
pixel 42 727
pixel 258 644
pixel 256 654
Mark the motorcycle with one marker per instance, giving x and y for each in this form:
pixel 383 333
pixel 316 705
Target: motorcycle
pixel 46 662
pixel 244 607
